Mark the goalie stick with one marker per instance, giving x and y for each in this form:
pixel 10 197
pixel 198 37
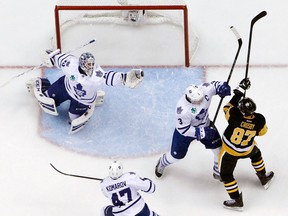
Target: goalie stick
pixel 42 65
pixel 78 176
pixel 253 21
pixel 232 68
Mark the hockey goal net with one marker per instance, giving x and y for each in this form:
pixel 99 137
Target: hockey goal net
pixel 127 32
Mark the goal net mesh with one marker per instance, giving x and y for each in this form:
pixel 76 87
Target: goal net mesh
pixel 127 32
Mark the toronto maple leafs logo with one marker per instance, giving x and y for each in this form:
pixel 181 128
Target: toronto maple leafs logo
pixel 99 73
pixel 79 90
pixel 179 110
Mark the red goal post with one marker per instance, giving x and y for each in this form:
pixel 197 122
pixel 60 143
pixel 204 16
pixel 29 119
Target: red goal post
pixel 183 8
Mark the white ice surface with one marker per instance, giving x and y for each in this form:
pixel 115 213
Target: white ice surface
pixel 30 187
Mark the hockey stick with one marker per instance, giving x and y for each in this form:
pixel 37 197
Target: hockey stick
pixel 253 21
pixel 78 176
pixel 42 65
pixel 232 68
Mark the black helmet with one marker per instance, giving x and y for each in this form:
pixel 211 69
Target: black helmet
pixel 247 106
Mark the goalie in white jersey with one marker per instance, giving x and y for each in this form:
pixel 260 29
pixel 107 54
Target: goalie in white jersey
pixel 81 84
pixel 122 189
pixel 193 123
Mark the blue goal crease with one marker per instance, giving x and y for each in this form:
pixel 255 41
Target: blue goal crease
pixel 131 122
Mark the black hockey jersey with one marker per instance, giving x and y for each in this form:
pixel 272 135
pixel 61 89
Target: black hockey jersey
pixel 238 137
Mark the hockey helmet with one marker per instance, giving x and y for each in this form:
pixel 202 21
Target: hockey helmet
pixel 194 94
pixel 115 169
pixel 87 62
pixel 247 106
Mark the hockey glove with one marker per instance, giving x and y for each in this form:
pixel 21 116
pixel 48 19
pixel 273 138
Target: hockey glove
pixel 205 132
pixel 48 57
pixel 223 90
pixel 133 78
pixel 245 84
pixel 242 87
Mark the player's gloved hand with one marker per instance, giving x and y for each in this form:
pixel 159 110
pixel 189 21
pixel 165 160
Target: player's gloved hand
pixel 245 84
pixel 133 78
pixel 242 87
pixel 48 57
pixel 205 132
pixel 223 90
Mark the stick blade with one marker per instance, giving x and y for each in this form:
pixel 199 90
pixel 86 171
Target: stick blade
pixel 259 16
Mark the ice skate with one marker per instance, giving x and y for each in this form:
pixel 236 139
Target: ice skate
pixel 159 169
pixel 266 179
pixel 234 204
pixel 217 177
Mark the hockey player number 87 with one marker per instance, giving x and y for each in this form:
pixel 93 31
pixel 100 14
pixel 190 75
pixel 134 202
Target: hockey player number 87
pixel 239 133
pixel 115 199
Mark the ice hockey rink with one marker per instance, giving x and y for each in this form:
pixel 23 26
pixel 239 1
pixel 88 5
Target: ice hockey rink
pixel 30 187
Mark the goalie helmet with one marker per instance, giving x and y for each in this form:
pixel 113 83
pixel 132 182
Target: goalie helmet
pixel 87 62
pixel 247 106
pixel 115 169
pixel 194 94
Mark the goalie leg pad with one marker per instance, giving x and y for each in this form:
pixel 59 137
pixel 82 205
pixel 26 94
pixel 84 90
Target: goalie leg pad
pixel 30 84
pixel 80 122
pixel 47 104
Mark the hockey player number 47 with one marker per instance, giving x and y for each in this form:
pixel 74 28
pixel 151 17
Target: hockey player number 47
pixel 124 192
pixel 239 133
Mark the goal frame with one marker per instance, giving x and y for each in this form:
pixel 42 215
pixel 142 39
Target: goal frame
pixel 182 8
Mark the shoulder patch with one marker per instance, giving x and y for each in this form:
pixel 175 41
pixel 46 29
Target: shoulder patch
pixel 72 77
pixel 99 73
pixel 179 110
pixel 193 110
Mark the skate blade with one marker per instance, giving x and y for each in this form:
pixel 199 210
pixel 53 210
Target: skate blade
pixel 267 185
pixel 240 209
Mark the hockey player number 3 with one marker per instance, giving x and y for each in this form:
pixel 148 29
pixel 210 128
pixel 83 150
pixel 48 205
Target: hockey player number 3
pixel 239 133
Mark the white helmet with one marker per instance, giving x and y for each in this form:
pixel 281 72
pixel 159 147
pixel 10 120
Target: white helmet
pixel 115 169
pixel 194 94
pixel 87 62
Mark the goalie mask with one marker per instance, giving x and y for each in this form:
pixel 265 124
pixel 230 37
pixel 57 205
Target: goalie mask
pixel 86 63
pixel 194 94
pixel 247 106
pixel 115 170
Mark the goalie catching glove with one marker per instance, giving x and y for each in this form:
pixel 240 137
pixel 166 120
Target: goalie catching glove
pixel 48 57
pixel 133 78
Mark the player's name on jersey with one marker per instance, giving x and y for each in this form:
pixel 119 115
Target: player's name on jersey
pixel 116 186
pixel 247 125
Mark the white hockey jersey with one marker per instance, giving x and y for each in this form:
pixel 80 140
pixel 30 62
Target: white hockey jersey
pixel 189 116
pixel 81 87
pixel 124 195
